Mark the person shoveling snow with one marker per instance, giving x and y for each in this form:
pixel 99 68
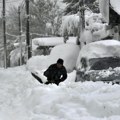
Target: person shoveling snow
pixel 55 73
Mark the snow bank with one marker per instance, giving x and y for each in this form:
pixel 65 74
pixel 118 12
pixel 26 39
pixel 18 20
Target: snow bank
pixel 99 49
pixel 14 83
pixel 23 98
pixel 37 63
pixel 68 52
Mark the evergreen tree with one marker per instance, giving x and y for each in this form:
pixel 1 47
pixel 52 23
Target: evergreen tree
pixel 73 6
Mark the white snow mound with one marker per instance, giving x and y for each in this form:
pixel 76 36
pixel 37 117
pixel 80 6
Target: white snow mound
pixel 68 52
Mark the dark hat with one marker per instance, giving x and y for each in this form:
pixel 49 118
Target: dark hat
pixel 60 61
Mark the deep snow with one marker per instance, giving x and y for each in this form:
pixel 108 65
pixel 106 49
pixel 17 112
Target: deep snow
pixel 23 98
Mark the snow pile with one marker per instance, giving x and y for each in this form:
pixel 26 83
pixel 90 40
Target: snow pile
pixel 23 98
pixel 37 63
pixel 14 84
pixel 86 37
pixel 68 52
pixel 99 49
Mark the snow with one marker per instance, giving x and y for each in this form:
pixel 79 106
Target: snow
pixel 15 56
pixel 52 41
pixel 68 52
pixel 70 23
pixel 115 5
pixel 48 41
pixel 99 49
pixel 18 44
pixel 104 7
pixel 23 98
pixel 37 63
pixel 95 28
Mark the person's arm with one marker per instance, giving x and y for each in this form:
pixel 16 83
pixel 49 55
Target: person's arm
pixel 47 72
pixel 64 75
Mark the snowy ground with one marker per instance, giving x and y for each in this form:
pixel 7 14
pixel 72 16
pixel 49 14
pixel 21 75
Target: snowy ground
pixel 23 98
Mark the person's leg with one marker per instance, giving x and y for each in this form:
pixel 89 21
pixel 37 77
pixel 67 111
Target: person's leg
pixel 36 77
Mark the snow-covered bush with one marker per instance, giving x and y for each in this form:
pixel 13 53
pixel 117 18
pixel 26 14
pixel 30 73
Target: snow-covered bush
pixel 70 24
pixel 95 28
pixel 15 57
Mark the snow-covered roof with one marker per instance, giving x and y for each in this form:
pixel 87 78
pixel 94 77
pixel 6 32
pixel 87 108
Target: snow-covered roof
pixel 52 41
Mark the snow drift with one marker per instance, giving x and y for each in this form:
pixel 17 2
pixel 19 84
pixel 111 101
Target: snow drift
pixel 68 52
pixel 23 98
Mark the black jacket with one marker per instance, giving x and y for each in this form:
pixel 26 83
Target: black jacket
pixel 55 74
